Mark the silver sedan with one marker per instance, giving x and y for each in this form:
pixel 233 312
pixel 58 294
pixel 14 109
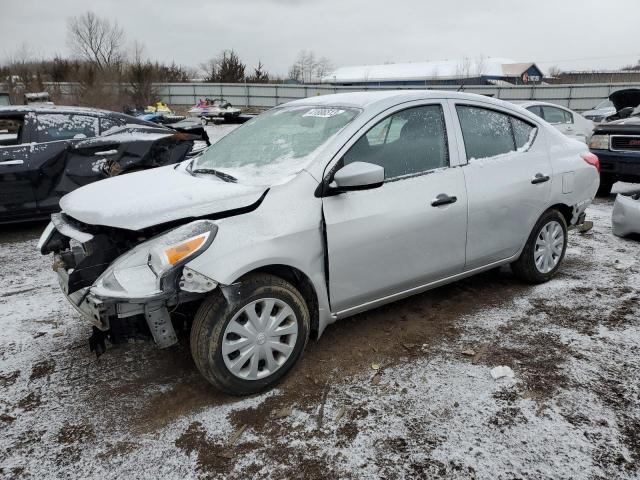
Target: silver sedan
pixel 314 211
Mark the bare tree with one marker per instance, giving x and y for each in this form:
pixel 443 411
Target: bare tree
pixel 554 71
pixel 480 66
pixel 141 75
pixel 463 69
pixel 307 68
pixel 96 40
pixel 324 66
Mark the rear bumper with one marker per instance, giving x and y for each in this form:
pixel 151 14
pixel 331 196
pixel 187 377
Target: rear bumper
pixel 619 165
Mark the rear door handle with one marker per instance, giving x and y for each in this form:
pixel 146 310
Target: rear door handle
pixel 540 178
pixel 443 199
pixel 11 162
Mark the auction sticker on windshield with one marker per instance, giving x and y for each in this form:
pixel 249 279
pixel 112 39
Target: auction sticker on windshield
pixel 323 112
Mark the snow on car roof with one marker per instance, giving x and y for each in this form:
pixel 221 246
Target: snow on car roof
pixel 54 109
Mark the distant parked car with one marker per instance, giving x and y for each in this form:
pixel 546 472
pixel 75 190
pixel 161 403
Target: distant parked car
pixel 571 123
pixel 314 211
pixel 46 152
pixel 600 112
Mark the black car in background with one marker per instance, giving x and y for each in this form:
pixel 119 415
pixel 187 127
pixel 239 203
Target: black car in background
pixel 48 151
pixel 617 142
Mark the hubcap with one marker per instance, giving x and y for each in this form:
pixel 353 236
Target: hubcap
pixel 259 338
pixel 549 245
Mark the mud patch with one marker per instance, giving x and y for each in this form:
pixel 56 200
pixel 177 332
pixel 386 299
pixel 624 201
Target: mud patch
pixel 9 379
pixel 42 369
pixel 30 402
pixel 212 457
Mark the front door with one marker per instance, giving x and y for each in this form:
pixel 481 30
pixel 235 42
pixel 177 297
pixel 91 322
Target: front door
pixel 16 190
pixel 407 233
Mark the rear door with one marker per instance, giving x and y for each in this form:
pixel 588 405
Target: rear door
pixel 386 241
pixel 508 179
pixel 563 121
pixel 16 190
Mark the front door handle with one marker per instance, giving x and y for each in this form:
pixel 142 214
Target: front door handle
pixel 6 163
pixel 443 199
pixel 540 178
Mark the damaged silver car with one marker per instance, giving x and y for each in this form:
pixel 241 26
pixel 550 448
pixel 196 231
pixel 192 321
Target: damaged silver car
pixel 314 211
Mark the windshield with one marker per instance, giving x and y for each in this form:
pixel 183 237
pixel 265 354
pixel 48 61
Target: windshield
pixel 275 144
pixel 604 104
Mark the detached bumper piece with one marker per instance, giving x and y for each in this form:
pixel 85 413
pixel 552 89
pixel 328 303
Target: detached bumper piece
pixel 625 219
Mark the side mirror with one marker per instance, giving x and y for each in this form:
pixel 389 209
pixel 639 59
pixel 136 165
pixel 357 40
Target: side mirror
pixel 357 176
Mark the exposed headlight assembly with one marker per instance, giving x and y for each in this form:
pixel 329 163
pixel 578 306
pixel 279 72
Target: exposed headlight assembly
pixel 599 142
pixel 143 271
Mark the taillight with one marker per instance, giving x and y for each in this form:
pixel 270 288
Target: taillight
pixel 591 159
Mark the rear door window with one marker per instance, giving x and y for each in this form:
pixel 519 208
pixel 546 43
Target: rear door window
pixel 408 142
pixel 62 126
pixel 555 115
pixel 536 110
pixel 488 133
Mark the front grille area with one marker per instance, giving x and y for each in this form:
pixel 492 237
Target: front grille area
pixel 629 143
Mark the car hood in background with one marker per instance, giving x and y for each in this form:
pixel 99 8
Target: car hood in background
pixel 140 200
pixel 629 97
pixel 629 125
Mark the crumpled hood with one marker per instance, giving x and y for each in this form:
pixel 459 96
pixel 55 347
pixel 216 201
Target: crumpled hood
pixel 143 199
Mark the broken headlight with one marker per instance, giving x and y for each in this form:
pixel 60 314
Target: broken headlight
pixel 140 272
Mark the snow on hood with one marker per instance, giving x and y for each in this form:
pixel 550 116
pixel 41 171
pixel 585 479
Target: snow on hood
pixel 139 200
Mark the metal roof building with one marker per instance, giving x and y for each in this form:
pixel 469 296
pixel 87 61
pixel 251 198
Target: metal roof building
pixel 483 71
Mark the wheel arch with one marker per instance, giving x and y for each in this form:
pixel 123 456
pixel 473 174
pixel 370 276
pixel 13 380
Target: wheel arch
pixel 303 284
pixel 564 209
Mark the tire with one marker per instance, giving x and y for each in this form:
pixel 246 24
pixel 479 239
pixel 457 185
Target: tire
pixel 525 268
pixel 211 326
pixel 204 121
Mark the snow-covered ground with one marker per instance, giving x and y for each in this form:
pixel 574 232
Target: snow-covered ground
pixel 404 391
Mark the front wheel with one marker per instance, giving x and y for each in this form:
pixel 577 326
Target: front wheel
pixel 544 251
pixel 248 345
pixel 204 121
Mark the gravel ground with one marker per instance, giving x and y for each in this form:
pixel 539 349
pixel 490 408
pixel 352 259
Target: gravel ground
pixel 403 391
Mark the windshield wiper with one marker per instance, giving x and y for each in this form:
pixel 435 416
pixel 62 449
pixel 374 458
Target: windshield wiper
pixel 221 175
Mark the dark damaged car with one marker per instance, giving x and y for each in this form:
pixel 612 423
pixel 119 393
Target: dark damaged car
pixel 617 143
pixel 47 152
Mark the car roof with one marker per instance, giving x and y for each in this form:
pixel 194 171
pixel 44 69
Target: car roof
pixel 531 103
pixel 368 99
pixel 55 109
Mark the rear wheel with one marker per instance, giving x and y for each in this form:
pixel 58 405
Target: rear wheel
pixel 544 250
pixel 247 346
pixel 204 121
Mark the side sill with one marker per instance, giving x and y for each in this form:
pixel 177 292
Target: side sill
pixel 423 288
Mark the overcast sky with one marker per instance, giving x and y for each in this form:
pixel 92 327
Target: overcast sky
pixel 574 34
